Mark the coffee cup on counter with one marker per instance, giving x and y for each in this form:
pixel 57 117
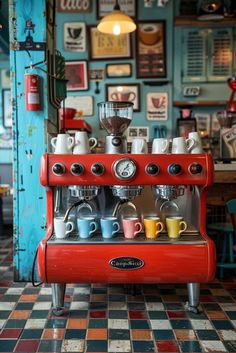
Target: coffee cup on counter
pixel 175 227
pixel 139 146
pixel 83 144
pixel 86 227
pixel 182 145
pixel 63 144
pixel 131 227
pixel 61 228
pixel 109 227
pixel 197 147
pixel 153 226
pixel 160 145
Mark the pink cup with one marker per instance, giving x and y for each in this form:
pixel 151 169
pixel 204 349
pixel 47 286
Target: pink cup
pixel 131 227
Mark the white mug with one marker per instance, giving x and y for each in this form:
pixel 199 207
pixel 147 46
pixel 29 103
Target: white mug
pixel 139 145
pixel 63 143
pixel 62 229
pixel 82 141
pixel 197 148
pixel 182 145
pixel 160 145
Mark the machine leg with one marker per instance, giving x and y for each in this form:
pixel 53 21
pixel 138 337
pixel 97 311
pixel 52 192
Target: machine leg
pixel 193 297
pixel 58 293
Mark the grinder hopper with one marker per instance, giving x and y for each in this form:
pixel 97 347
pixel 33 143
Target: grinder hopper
pixel 115 118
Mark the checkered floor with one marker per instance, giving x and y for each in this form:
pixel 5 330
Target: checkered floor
pixel 108 318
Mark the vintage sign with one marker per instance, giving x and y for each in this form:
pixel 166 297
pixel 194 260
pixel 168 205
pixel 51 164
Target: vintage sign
pixel 73 6
pixel 75 36
pixel 157 106
pixel 104 46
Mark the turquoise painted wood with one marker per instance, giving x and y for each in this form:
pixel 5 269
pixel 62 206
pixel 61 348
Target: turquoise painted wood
pixel 29 140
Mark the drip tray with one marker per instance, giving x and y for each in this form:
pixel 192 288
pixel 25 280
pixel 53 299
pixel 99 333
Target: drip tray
pixel 188 238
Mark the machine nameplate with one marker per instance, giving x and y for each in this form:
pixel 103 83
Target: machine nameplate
pixel 126 263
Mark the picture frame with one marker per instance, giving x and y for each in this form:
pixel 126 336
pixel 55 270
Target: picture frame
pixel 75 36
pixel 104 7
pixel 83 104
pixel 157 106
pixel 7 108
pixel 133 132
pixel 76 73
pixel 118 70
pixel 5 78
pixel 107 46
pixel 124 93
pixel 151 49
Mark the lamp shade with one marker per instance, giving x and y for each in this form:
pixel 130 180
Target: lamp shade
pixel 117 22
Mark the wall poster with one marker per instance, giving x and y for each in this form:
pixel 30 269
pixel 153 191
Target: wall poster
pixel 151 56
pixel 107 46
pixel 75 36
pixel 157 106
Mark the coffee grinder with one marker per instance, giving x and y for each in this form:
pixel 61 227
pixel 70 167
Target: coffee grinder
pixel 115 118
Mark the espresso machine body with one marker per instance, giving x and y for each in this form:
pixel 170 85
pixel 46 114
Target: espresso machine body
pixel 117 184
pixel 118 260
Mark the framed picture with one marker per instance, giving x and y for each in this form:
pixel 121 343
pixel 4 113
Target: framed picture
pixel 124 93
pixel 104 7
pixel 83 104
pixel 108 46
pixel 96 74
pixel 7 107
pixel 157 105
pixel 75 36
pixel 77 75
pixel 133 132
pixel 118 70
pixel 151 52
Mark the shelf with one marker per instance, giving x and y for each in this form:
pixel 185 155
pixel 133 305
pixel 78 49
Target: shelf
pixel 199 103
pixel 193 21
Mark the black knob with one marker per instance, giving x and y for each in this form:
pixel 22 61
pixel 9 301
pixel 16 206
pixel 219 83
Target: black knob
pixel 152 169
pixel 58 169
pixel 195 168
pixel 116 141
pixel 97 169
pixel 77 169
pixel 174 169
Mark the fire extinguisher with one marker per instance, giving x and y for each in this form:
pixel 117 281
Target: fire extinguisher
pixel 32 99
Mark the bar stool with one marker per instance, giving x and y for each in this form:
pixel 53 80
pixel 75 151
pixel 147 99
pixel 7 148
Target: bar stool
pixel 226 231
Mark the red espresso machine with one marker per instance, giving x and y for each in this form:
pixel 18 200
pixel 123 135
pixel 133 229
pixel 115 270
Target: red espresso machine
pixel 113 182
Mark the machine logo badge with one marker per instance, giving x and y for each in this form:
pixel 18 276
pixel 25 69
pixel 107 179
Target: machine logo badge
pixel 126 263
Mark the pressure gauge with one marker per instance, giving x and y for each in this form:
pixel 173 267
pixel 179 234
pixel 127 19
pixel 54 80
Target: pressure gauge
pixel 125 169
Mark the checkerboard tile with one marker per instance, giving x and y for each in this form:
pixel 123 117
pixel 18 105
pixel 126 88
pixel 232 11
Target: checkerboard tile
pixel 109 318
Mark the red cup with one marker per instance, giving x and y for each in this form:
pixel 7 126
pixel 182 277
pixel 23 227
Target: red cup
pixel 67 113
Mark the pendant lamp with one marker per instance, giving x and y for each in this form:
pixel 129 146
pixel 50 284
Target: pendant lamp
pixel 116 22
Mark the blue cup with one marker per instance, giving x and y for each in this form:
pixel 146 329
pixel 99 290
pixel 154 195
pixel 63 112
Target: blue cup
pixel 109 226
pixel 86 227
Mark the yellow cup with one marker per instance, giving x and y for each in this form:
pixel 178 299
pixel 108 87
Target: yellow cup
pixel 175 226
pixel 153 226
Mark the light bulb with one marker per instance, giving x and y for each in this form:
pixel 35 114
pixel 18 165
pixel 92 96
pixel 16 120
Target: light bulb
pixel 116 29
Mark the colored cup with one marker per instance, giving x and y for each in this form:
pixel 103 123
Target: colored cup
pixel 175 226
pixel 131 227
pixel 153 226
pixel 109 227
pixel 86 227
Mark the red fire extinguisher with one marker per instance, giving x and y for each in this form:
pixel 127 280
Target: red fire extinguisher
pixel 32 99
